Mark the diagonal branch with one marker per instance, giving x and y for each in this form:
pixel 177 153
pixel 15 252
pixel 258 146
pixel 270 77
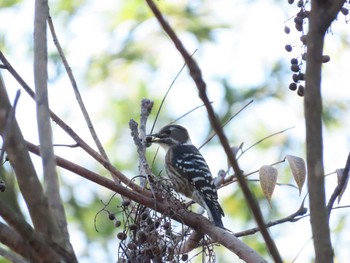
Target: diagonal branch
pixel 196 75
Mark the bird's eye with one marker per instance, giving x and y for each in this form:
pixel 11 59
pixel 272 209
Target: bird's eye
pixel 168 132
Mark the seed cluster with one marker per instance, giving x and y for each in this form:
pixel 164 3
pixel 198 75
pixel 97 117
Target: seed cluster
pixel 148 236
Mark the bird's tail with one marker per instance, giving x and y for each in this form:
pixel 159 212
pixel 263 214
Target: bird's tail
pixel 215 212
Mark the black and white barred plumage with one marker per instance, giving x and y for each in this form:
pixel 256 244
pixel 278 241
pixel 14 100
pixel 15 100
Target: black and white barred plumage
pixel 188 171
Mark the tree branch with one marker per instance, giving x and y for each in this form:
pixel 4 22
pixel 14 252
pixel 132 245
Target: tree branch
pixel 43 252
pixel 14 241
pixel 318 24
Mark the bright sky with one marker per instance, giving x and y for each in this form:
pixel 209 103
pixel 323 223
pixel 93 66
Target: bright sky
pixel 242 54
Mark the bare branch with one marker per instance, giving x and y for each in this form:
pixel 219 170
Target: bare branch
pixel 44 253
pixel 265 138
pixel 76 91
pixel 59 231
pixel 139 139
pixel 11 256
pixel 14 241
pixel 291 218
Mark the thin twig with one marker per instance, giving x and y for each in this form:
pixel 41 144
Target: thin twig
pixel 231 118
pixel 167 92
pixel 265 138
pixel 291 218
pixel 184 115
pixel 76 91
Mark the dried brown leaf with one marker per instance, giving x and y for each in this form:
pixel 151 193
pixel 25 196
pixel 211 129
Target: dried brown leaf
pixel 268 179
pixel 298 167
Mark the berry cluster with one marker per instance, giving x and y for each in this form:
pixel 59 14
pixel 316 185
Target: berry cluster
pixel 296 63
pixel 148 236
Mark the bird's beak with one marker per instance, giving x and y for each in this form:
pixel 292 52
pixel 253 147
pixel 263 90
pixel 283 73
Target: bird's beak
pixel 153 138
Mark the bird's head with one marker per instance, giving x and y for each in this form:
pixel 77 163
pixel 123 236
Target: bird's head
pixel 169 135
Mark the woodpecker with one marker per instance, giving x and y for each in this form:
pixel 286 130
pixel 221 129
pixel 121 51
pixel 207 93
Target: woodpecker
pixel 187 169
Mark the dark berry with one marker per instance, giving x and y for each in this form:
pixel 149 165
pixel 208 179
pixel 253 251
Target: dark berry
pixel 166 225
pixel 302 13
pixel 294 68
pixel 133 227
pixel 303 56
pixel 290 2
pixel 344 11
pixel 300 3
pixel 299 27
pixel 301 90
pixel 126 203
pixel 111 216
pixel 294 61
pixel 301 76
pixel 141 237
pixel 184 257
pixel 326 58
pixel 132 246
pixel 303 39
pixel 117 223
pixel 295 77
pixel 298 20
pixel 288 48
pixel 144 215
pixel 292 86
pixel 121 236
pixel 286 30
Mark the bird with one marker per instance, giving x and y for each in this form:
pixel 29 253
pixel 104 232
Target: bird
pixel 187 170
